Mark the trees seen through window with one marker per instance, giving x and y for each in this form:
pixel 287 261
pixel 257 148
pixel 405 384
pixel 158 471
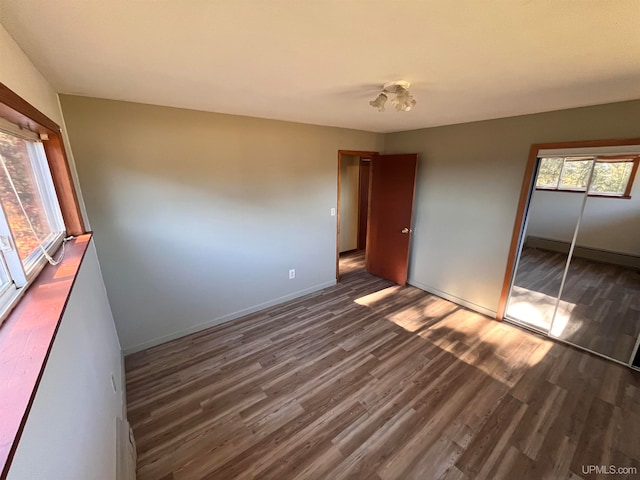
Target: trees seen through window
pixel 610 177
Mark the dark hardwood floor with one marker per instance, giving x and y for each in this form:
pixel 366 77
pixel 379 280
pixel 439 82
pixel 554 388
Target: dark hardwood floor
pixel 369 380
pixel 351 262
pixel 600 304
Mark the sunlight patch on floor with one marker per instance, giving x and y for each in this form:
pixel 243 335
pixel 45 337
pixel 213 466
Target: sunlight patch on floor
pixel 536 310
pixel 439 308
pixel 372 298
pixel 561 321
pixel 530 314
pixel 498 350
pixel 539 353
pixel 410 319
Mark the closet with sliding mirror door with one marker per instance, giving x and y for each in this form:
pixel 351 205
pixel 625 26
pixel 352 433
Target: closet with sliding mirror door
pixel 540 271
pixel 576 275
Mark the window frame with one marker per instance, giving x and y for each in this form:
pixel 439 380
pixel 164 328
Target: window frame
pixel 18 111
pixel 626 195
pixel 43 182
pixel 22 273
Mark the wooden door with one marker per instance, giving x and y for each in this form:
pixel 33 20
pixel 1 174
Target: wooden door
pixel 363 202
pixel 393 180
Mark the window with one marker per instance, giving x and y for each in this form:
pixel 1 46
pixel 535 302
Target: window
pixel 612 176
pixel 38 200
pixel 31 225
pixel 37 194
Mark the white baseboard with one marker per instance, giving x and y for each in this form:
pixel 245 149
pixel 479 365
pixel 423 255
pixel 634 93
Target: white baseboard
pixel 226 318
pixel 452 298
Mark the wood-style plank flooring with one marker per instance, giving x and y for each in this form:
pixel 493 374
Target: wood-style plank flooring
pixel 600 307
pixel 369 380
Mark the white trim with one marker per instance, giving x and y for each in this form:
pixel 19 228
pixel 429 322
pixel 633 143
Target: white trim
pixel 589 151
pixel 226 318
pixel 457 300
pixel 12 260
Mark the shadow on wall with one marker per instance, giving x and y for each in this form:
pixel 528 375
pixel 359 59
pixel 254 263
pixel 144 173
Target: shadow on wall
pixel 615 233
pixel 609 224
pixel 200 216
pixel 199 255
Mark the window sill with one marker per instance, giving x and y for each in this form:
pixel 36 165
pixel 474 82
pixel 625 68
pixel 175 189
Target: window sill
pixel 26 337
pixel 11 297
pixel 595 195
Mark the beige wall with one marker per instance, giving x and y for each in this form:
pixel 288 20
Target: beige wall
pixel 469 180
pixel 609 224
pixel 199 216
pixel 20 75
pixel 349 179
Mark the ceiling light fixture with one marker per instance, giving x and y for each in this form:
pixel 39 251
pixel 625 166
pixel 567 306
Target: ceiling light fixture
pixel 403 101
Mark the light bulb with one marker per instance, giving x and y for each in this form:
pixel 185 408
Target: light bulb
pixel 403 101
pixel 379 102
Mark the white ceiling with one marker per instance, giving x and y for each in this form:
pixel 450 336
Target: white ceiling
pixel 321 61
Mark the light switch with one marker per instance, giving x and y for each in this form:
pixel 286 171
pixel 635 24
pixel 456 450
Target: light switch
pixel 333 212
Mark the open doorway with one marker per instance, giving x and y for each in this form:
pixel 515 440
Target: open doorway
pixel 353 207
pixel 375 212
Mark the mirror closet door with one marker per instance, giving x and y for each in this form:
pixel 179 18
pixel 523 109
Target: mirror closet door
pixel 551 224
pixel 599 307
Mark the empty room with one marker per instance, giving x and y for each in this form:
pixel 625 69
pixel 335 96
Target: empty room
pixel 320 239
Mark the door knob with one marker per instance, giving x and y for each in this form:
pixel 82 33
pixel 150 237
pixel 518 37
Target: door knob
pixel 405 230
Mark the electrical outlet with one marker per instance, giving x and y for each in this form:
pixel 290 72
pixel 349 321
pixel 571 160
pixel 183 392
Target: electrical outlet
pixel 292 273
pixel 333 212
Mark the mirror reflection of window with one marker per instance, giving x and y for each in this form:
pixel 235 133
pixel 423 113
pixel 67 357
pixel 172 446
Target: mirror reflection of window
pixel 611 177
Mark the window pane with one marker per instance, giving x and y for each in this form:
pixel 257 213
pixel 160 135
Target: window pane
pixel 15 153
pixel 611 177
pixel 549 172
pixel 575 174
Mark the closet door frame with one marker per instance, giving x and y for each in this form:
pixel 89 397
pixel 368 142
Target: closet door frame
pixel 526 192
